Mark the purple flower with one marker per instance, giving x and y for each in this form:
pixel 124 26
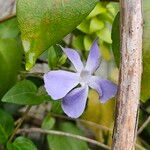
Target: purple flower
pixel 63 84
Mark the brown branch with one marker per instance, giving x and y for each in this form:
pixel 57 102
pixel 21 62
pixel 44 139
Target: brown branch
pixel 60 133
pixel 125 128
pixel 32 118
pixel 7 17
pixel 19 123
pixel 7 9
pixel 83 121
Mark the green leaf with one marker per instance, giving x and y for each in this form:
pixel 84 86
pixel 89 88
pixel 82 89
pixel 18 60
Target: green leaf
pixel 78 42
pixel 21 143
pixel 107 17
pixel 37 80
pixel 105 50
pixel 87 42
pixel 145 85
pixel 96 24
pixel 54 54
pixel 57 142
pixel 24 93
pixel 84 26
pixel 6 126
pixel 9 29
pixel 44 23
pixel 145 92
pixel 48 122
pixel 62 60
pixel 115 35
pixel 97 10
pixel 10 62
pixel 112 8
pixel 105 35
pixel 56 107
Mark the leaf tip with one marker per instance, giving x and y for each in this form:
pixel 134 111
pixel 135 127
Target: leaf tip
pixel 28 66
pixel 30 60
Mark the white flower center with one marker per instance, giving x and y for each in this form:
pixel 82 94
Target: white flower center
pixel 84 77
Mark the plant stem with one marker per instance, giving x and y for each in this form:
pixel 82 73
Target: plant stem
pixel 92 124
pixel 19 123
pixel 60 133
pixel 144 125
pixel 125 129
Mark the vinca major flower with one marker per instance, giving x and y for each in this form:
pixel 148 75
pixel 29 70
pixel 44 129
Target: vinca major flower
pixel 73 87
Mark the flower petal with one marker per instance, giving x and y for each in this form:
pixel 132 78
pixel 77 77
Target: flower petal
pixel 105 88
pixel 93 83
pixel 93 60
pixel 74 102
pixel 59 83
pixel 74 58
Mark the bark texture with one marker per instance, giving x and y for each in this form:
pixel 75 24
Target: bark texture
pixel 125 128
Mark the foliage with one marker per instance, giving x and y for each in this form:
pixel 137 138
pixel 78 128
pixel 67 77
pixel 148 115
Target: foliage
pixel 97 24
pixel 66 142
pixel 48 122
pixel 10 52
pixel 21 143
pixel 6 126
pixel 46 25
pixel 24 93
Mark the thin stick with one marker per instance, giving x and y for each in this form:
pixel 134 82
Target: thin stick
pixel 7 9
pixel 144 125
pixel 83 121
pixel 139 147
pixel 125 129
pixel 60 133
pixel 19 123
